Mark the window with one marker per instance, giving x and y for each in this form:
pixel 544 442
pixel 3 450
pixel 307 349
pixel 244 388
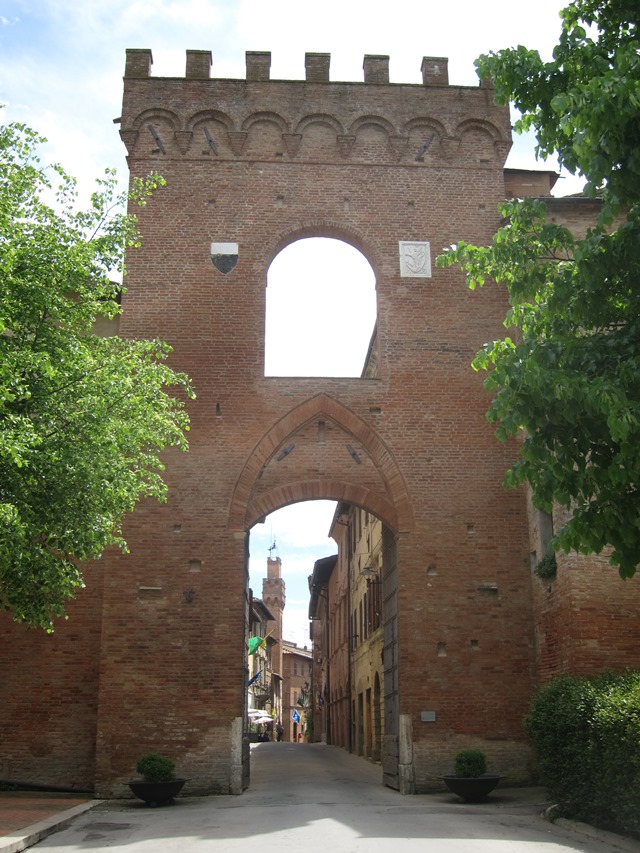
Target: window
pixel 374 607
pixel 320 310
pixel 367 621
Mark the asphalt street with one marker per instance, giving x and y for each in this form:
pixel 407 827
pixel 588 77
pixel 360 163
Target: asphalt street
pixel 313 797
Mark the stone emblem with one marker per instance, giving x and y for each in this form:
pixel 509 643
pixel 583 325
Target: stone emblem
pixel 224 256
pixel 415 259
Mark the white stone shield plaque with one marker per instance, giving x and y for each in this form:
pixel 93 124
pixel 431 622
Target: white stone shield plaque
pixel 415 259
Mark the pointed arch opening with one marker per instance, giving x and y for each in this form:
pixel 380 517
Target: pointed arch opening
pixel 320 310
pixel 323 573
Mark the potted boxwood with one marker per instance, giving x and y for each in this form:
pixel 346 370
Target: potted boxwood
pixel 471 780
pixel 158 784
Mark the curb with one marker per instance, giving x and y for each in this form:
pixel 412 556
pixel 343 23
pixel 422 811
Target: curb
pixel 621 842
pixel 30 835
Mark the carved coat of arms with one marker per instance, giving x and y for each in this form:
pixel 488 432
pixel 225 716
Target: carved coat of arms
pixel 415 259
pixel 224 256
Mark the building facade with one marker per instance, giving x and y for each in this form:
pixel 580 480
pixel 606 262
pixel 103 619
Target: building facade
pixel 264 700
pixel 323 615
pixel 296 693
pixel 346 612
pixel 366 632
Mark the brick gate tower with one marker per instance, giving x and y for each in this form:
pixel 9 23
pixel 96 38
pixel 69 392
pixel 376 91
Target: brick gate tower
pixel 153 657
pixel 395 170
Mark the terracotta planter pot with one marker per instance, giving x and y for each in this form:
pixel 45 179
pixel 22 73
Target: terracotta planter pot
pixel 472 789
pixel 157 793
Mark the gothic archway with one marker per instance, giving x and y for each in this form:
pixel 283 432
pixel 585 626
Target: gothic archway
pixel 390 502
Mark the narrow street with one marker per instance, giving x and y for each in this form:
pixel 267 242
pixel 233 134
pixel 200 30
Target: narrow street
pixel 313 797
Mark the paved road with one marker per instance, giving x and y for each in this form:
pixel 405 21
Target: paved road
pixel 311 798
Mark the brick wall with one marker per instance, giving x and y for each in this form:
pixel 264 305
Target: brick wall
pixel 348 160
pixel 48 695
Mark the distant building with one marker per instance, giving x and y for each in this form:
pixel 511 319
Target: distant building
pixel 296 692
pixel 274 596
pixel 260 675
pixel 325 664
pixel 265 664
pixel 348 637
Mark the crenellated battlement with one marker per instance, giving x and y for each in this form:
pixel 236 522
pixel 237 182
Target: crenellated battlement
pixel 435 70
pixel 312 120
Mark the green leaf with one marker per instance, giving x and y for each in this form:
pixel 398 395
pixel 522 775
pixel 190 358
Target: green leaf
pixel 83 418
pixel 569 376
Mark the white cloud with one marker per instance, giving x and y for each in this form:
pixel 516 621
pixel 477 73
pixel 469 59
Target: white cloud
pixel 458 30
pixel 296 625
pixel 300 533
pixel 294 525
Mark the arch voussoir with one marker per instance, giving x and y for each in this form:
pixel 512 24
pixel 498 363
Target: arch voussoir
pixel 312 490
pixel 394 505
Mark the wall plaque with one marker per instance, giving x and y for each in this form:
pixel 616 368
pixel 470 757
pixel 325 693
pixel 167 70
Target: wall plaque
pixel 415 259
pixel 428 716
pixel 224 256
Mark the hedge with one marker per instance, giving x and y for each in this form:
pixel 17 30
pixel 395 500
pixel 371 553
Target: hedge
pixel 586 733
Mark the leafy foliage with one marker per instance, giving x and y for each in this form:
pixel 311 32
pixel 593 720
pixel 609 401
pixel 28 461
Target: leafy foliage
pixel 568 379
pixel 470 763
pixel 82 417
pixel 586 734
pixel 156 768
pixel 584 105
pixel 547 567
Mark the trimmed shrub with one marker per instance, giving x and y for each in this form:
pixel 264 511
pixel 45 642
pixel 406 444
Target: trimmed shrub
pixel 470 762
pixel 618 733
pixel 155 768
pixel 586 733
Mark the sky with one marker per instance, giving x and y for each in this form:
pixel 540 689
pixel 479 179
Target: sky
pixel 61 67
pixel 299 309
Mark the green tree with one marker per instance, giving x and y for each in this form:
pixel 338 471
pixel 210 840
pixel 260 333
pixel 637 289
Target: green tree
pixel 83 418
pixel 568 379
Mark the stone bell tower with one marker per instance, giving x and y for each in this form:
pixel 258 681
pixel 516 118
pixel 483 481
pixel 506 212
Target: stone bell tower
pixel 273 595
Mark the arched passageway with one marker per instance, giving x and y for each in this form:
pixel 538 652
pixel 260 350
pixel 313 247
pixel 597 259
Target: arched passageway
pixel 337 632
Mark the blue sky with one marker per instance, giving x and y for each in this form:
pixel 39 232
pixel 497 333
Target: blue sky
pixel 61 67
